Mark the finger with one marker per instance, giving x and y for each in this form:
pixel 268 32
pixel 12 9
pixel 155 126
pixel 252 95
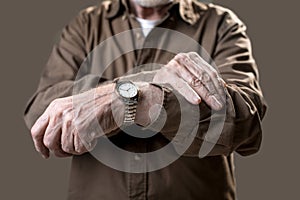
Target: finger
pixel 200 88
pixel 171 75
pixel 201 84
pixel 206 96
pixel 212 72
pixel 211 95
pixel 198 71
pixel 185 90
pixel 168 75
pixel 52 138
pixel 67 137
pixel 79 145
pixel 37 133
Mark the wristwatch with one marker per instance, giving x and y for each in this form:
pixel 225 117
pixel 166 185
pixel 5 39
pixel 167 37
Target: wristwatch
pixel 129 93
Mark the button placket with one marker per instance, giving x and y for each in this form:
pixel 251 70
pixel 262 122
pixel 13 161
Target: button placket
pixel 138 187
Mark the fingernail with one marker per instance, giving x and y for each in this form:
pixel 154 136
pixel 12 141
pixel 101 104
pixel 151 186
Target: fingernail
pixel 217 105
pixel 197 100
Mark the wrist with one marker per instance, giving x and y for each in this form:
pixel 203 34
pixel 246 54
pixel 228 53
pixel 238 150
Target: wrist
pixel 149 104
pixel 107 100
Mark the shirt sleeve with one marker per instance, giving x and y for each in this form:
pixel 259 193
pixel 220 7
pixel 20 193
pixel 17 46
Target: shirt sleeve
pixel 58 77
pixel 234 58
pixel 245 107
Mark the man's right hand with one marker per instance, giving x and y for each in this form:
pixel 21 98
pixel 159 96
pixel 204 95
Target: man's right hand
pixel 68 125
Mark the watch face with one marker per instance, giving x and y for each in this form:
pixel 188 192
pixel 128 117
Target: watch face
pixel 127 90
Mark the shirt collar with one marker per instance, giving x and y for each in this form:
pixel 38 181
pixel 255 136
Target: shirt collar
pixel 189 10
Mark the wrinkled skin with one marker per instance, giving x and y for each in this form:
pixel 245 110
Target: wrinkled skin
pixel 67 127
pixel 194 79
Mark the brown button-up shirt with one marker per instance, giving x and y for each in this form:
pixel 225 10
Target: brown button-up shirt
pixel 223 37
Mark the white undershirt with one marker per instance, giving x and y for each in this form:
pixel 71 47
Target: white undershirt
pixel 147 25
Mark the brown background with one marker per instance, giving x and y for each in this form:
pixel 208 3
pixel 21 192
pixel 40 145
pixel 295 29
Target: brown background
pixel 28 31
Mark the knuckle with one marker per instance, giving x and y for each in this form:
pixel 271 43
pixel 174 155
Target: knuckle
pixel 185 58
pixel 33 132
pixel 196 83
pixel 213 74
pixel 193 54
pixel 68 118
pixel 181 57
pixel 56 106
pixel 54 103
pixel 171 63
pixel 67 112
pixel 205 78
pixel 166 65
pixel 48 142
pixel 35 136
pixel 190 80
pixel 80 149
pixel 67 149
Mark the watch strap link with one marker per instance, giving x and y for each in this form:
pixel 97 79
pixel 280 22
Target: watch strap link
pixel 130 112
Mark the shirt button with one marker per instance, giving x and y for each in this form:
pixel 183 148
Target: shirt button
pixel 138 35
pixel 137 157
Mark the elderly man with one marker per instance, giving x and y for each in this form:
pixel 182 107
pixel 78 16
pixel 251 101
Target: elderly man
pixel 181 81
